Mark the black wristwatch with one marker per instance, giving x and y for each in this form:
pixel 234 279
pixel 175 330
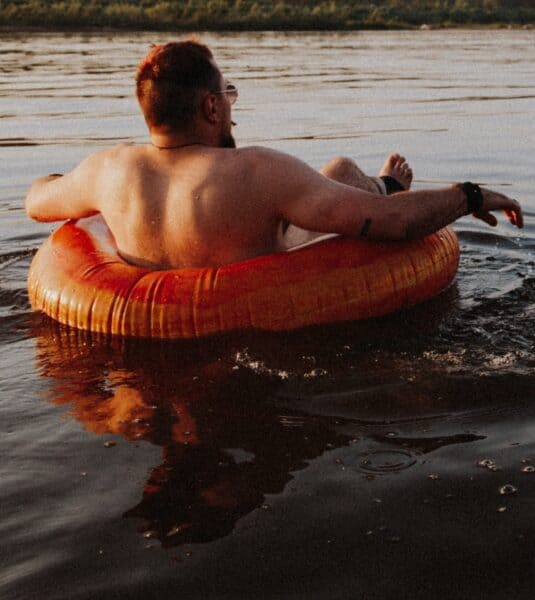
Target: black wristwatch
pixel 473 195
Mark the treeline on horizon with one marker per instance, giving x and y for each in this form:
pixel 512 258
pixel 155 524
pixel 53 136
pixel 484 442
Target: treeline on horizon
pixel 219 15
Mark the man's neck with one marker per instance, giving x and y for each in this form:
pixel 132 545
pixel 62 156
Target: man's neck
pixel 170 141
pixel 177 146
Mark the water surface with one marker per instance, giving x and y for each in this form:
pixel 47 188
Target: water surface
pixel 367 460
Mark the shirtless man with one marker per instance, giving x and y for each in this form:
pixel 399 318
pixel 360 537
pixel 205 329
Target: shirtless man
pixel 190 198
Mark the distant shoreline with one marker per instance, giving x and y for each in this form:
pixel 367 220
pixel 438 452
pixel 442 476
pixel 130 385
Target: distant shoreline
pixel 296 29
pixel 262 15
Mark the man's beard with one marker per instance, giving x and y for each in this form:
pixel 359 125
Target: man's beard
pixel 227 141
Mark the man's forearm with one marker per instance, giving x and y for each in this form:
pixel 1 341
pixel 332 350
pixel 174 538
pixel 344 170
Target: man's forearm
pixel 56 198
pixel 428 211
pixel 37 190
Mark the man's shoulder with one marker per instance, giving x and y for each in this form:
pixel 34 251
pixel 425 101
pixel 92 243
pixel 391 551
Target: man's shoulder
pixel 270 164
pixel 115 153
pixel 260 152
pixel 266 158
pixel 125 150
pixel 121 157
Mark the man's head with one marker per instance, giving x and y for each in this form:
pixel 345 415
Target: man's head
pixel 172 84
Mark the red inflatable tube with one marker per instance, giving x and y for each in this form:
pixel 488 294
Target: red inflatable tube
pixel 78 278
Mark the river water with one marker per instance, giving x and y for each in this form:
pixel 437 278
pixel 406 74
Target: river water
pixel 387 459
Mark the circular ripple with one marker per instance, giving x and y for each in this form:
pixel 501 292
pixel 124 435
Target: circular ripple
pixel 387 461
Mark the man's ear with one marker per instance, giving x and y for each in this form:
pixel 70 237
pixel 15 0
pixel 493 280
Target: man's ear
pixel 210 108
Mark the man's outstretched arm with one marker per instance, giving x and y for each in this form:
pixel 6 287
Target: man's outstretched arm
pixel 307 199
pixel 427 211
pixel 71 196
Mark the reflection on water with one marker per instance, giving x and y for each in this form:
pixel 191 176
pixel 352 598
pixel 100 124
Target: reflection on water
pixel 233 432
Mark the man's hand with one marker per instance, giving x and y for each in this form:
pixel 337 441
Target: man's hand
pixel 495 201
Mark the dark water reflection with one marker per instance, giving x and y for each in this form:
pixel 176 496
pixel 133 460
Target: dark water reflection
pixel 235 417
pixel 259 436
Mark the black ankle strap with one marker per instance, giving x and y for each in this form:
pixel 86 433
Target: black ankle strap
pixel 392 185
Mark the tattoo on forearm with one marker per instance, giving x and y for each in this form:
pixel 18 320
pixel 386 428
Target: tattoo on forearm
pixel 365 228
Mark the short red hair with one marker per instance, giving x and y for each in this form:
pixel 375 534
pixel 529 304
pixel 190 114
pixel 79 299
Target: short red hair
pixel 169 79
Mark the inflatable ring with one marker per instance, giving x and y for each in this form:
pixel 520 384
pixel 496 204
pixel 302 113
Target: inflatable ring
pixel 78 278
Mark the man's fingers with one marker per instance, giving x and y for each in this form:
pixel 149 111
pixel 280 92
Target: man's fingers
pixel 519 216
pixel 511 216
pixel 514 214
pixel 487 217
pixel 497 201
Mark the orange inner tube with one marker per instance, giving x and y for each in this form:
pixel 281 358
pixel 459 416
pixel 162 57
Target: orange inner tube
pixel 78 278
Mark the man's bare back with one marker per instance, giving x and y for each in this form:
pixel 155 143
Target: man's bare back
pixel 186 207
pixel 187 199
pixel 192 206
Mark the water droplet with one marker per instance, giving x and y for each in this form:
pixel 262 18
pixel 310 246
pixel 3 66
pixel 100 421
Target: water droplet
pixel 486 463
pixel 387 461
pixel 338 461
pixel 151 533
pixel 83 473
pixel 174 530
pixel 370 532
pixel 394 539
pixel 391 434
pixel 265 507
pixel 377 500
pixel 528 469
pixel 508 490
pixel 434 476
pixel 110 444
pixel 188 554
pixel 502 509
